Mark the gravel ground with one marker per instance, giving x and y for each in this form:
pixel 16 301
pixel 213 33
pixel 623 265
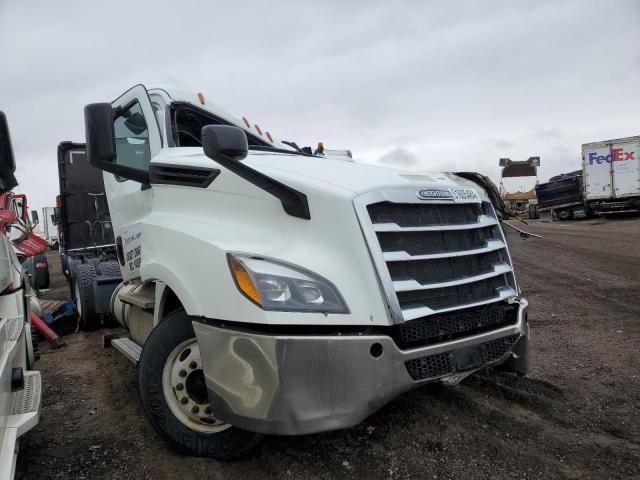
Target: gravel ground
pixel 575 417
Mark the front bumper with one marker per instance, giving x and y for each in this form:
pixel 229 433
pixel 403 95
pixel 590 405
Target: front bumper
pixel 296 384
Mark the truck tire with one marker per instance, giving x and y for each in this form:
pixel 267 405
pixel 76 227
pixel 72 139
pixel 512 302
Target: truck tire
pixel 563 214
pixel 29 267
pixel 72 263
pixel 41 272
pixel 110 268
pixel 85 303
pixel 178 409
pixel 95 263
pixel 64 265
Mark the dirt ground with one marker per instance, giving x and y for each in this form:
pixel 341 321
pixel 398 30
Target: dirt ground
pixel 576 417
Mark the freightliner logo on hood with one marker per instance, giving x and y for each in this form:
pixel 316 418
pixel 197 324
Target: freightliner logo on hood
pixel 455 194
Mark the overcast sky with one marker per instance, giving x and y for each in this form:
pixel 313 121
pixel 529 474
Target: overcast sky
pixel 422 85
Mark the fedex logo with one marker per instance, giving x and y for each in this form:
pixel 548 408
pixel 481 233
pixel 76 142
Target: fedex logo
pixel 616 155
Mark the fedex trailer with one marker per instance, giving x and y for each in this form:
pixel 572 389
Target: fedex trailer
pixel 612 175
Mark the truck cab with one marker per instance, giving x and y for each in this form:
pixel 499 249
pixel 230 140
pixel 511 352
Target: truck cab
pixel 269 289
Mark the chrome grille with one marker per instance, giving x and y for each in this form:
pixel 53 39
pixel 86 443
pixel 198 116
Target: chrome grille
pixel 435 256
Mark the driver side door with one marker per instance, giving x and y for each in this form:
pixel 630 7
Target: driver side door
pixel 137 140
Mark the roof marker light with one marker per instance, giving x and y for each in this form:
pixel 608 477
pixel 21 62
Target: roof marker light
pixel 269 137
pixel 258 129
pixel 201 98
pixel 246 122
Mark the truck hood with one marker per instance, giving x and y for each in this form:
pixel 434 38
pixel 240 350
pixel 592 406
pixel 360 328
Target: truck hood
pixel 356 178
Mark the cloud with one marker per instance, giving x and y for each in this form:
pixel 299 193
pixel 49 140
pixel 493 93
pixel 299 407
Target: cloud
pixel 399 157
pixel 422 86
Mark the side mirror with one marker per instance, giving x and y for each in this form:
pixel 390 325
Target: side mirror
pixel 98 123
pixel 101 145
pixel 220 141
pixel 7 161
pixel 34 217
pixel 57 215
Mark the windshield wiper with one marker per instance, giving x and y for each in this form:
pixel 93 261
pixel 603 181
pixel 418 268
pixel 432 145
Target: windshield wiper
pixel 265 148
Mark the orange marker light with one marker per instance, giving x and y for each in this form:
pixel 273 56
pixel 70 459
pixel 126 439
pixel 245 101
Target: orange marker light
pixel 258 129
pixel 201 98
pixel 269 137
pixel 244 281
pixel 246 122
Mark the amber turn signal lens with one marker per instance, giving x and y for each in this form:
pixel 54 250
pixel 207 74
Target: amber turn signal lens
pixel 244 281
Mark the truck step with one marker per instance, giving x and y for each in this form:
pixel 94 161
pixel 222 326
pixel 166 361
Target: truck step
pixel 25 404
pixel 141 301
pixel 128 348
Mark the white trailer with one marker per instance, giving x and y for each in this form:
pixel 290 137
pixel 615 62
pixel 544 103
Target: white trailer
pixel 612 175
pixel 49 226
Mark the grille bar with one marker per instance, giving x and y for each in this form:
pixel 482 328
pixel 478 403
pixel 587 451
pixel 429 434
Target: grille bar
pixel 416 312
pixel 401 255
pixel 410 285
pixel 483 221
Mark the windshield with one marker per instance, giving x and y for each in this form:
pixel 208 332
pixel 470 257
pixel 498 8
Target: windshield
pixel 187 122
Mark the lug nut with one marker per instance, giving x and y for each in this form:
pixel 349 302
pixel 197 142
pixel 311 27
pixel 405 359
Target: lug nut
pixel 195 409
pixel 183 373
pixel 179 387
pixel 208 411
pixel 193 365
pixel 184 400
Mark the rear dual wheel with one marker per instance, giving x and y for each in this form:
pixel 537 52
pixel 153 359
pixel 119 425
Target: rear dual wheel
pixel 83 281
pixel 174 396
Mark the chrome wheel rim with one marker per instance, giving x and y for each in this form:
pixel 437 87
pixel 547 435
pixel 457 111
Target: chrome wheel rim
pixel 185 392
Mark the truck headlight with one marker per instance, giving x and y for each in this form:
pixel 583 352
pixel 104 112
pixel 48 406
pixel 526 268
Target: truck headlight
pixel 275 285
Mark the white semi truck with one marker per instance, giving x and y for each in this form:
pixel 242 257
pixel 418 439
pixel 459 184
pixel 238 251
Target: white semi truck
pixel 272 290
pixel 19 383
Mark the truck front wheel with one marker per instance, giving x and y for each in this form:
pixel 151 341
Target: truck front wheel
pixel 174 396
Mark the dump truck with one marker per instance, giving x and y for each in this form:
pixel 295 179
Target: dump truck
pixel 268 289
pixel 563 196
pixel 20 385
pixel 86 242
pixel 611 170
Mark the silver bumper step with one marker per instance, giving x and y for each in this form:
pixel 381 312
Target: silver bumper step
pixel 128 348
pixel 141 301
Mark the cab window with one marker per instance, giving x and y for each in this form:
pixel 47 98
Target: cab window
pixel 132 138
pixel 187 123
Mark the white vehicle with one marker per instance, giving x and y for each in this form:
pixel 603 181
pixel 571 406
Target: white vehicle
pixel 49 226
pixel 268 290
pixel 19 385
pixel 612 175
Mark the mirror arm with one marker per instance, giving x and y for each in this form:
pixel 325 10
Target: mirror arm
pixel 295 203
